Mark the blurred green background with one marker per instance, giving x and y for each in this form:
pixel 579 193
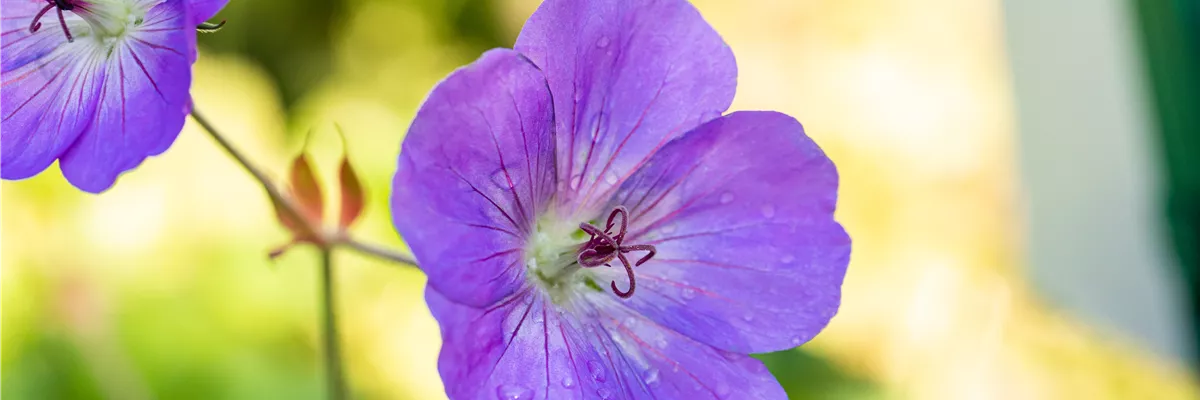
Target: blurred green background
pixel 161 288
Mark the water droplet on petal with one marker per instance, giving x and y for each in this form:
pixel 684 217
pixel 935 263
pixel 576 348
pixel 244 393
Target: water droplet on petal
pixel 787 259
pixel 604 393
pixel 722 389
pixel 650 377
pixel 668 229
pixel 500 180
pixel 727 198
pixel 568 382
pixel 758 367
pixel 603 42
pixel 796 341
pixel 513 392
pixel 610 178
pixel 575 181
pixel 748 317
pixel 688 293
pixel 597 370
pixel 768 211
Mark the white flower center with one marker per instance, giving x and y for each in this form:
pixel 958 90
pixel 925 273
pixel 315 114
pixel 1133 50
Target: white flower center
pixel 110 19
pixel 551 260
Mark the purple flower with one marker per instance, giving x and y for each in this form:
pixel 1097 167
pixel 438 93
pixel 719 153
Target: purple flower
pixel 98 85
pixel 593 227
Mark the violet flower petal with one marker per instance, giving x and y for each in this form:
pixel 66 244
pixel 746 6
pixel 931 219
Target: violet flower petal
pixel 49 93
pixel 741 212
pixel 476 169
pixel 523 347
pixel 627 76
pixel 657 362
pixel 519 348
pixel 143 101
pixel 204 10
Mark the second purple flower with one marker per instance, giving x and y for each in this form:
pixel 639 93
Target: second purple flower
pixel 98 85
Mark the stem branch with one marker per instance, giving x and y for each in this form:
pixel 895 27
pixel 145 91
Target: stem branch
pixel 328 241
pixel 289 207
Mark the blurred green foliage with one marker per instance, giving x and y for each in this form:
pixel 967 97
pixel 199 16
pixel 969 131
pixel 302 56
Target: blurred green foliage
pixel 293 39
pixel 1170 33
pixel 807 376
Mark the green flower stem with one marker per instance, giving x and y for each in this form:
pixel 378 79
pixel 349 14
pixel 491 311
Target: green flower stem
pixel 333 353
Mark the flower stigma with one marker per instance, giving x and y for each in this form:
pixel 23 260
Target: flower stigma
pixel 559 257
pixel 60 5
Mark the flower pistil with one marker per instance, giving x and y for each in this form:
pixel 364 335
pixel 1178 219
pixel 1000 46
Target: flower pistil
pixel 603 247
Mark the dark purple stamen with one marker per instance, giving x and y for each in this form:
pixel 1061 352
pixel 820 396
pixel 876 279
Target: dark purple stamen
pixel 60 5
pixel 603 247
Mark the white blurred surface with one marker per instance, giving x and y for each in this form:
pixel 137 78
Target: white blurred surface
pixel 1096 239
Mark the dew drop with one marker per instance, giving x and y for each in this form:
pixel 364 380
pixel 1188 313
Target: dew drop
pixel 513 392
pixel 726 198
pixel 668 229
pixel 575 181
pixel 597 370
pixel 768 211
pixel 796 341
pixel 603 42
pixel 758 367
pixel 604 393
pixel 661 342
pixel 568 382
pixel 787 259
pixel 722 389
pixel 500 180
pixel 748 317
pixel 688 293
pixel 610 178
pixel 650 377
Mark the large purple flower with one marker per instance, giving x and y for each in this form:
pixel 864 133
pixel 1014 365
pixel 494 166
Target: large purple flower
pixel 97 84
pixel 593 227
